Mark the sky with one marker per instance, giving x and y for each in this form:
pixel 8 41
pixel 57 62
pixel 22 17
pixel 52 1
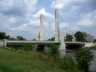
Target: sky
pixel 21 17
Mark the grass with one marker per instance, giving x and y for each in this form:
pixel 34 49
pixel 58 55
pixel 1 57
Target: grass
pixel 20 61
pixel 12 60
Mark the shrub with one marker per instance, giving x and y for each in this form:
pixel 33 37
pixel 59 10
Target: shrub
pixel 53 49
pixel 83 57
pixel 28 47
pixel 25 47
pixel 68 64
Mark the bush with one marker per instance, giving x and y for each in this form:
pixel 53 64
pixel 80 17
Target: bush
pixel 28 47
pixel 94 41
pixel 25 47
pixel 84 57
pixel 68 64
pixel 53 49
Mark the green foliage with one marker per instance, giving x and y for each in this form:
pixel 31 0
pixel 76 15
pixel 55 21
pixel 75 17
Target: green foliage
pixel 94 41
pixel 83 57
pixel 53 49
pixel 3 35
pixel 24 47
pixel 13 61
pixel 68 64
pixel 28 47
pixel 51 39
pixel 69 37
pixel 20 38
pixel 80 36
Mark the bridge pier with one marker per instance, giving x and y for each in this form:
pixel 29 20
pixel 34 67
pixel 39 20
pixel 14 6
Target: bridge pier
pixel 62 48
pixel 4 43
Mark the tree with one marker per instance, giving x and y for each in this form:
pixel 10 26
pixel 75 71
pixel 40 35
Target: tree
pixel 2 35
pixel 68 37
pixel 20 38
pixel 80 36
pixel 94 41
pixel 34 39
pixel 51 39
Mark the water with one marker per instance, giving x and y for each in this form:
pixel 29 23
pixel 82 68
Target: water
pixel 93 62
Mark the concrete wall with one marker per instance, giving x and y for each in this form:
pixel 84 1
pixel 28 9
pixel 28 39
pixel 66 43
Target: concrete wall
pixel 89 44
pixel 2 42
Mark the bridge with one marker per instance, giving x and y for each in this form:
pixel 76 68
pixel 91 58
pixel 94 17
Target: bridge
pixel 63 46
pixel 16 42
pixel 59 37
pixel 84 44
pixel 43 42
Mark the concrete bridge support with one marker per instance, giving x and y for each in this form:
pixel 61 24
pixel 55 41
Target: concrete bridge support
pixel 62 48
pixel 89 44
pixel 3 43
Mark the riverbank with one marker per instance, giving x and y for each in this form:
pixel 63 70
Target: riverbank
pixel 19 61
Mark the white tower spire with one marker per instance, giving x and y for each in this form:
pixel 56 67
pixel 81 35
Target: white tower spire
pixel 40 34
pixel 57 30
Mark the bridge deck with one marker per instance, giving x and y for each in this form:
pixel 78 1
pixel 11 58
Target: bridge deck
pixel 35 42
pixel 87 44
pixel 44 42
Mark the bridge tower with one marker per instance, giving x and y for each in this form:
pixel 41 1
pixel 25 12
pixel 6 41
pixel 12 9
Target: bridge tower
pixel 40 30
pixel 57 30
pixel 59 36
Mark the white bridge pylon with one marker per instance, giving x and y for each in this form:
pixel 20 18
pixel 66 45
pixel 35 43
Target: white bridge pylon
pixel 40 33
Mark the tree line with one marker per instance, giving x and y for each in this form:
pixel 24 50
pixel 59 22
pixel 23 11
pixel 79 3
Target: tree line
pixel 78 36
pixel 3 35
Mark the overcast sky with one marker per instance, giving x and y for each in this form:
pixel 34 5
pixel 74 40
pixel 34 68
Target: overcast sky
pixel 20 17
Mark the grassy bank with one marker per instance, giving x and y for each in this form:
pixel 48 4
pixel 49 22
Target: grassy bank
pixel 12 60
pixel 19 61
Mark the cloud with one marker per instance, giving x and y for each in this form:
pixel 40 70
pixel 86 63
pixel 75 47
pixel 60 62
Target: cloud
pixel 47 17
pixel 17 16
pixel 17 7
pixel 88 19
pixel 6 4
pixel 59 4
pixel 68 4
pixel 69 28
pixel 33 23
pixel 43 12
pixel 70 12
pixel 30 6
